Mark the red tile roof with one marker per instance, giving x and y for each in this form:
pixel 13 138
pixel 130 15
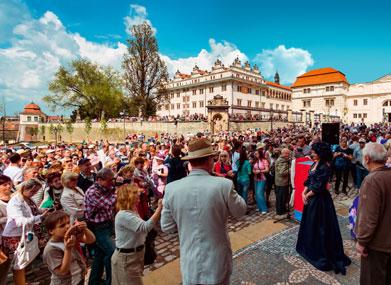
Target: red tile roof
pixel 278 85
pixel 320 76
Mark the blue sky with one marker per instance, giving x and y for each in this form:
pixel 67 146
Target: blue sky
pixel 36 37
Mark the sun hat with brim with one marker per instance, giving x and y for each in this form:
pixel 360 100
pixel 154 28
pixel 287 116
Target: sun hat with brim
pixel 199 148
pixel 160 156
pixel 260 145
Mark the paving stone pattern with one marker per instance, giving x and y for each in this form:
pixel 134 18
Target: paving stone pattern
pixel 274 261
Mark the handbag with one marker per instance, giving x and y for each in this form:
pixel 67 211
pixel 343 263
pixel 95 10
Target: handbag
pixel 26 251
pixel 150 252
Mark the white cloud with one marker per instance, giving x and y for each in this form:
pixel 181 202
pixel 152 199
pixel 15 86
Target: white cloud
pixel 290 62
pixel 224 51
pixel 12 13
pixel 137 15
pixel 38 48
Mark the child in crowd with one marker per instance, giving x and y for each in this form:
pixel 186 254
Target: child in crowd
pixel 62 253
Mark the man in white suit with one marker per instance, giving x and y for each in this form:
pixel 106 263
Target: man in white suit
pixel 198 207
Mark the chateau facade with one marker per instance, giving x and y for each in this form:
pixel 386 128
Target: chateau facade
pixel 243 87
pixel 326 91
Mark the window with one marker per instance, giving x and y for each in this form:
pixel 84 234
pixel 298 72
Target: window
pixel 271 105
pixel 306 103
pixel 263 104
pixel 238 88
pixel 329 88
pixel 35 119
pixel 172 106
pixel 355 116
pixel 210 89
pixel 167 106
pixel 172 95
pixel 365 102
pixel 257 92
pixel 249 91
pixel 364 115
pixel 329 102
pixel 184 98
pixel 256 104
pixel 282 107
pixel 28 119
pixel 178 106
pixel 194 92
pixel 277 105
pixel 355 102
pixel 307 90
pixel 359 115
pixel 249 103
pixel 194 103
pixel 201 91
pixel 178 94
pixel 201 104
pixel 239 102
pixel 224 87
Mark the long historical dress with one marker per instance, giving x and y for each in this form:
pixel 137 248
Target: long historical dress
pixel 319 240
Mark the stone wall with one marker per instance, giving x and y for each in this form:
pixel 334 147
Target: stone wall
pixel 115 131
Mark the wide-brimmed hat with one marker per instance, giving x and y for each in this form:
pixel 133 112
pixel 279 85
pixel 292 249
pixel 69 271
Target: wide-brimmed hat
pixel 260 145
pixel 160 156
pixel 200 148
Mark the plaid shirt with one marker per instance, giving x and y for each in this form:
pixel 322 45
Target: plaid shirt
pixel 100 204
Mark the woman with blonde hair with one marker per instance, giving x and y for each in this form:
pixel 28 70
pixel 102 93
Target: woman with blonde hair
pixel 22 211
pixel 127 262
pixel 72 198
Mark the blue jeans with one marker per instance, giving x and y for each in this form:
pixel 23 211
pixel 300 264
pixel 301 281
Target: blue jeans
pixel 360 175
pixel 260 195
pixel 243 189
pixel 104 248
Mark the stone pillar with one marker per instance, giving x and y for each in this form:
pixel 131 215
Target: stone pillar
pixel 290 116
pixel 312 118
pixel 303 116
pixel 321 118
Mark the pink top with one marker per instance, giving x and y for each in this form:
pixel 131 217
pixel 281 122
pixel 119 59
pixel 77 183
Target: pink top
pixel 260 165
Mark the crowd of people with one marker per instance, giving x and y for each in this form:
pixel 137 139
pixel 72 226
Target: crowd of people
pixel 102 202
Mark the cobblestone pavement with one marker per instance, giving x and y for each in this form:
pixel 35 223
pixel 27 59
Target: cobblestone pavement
pixel 167 245
pixel 274 261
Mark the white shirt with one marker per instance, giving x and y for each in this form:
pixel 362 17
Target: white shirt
pixel 15 173
pixel 18 214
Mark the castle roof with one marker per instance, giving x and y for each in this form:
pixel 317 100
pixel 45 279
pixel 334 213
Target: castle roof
pixel 320 76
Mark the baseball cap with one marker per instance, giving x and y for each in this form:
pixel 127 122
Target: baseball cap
pixel 83 161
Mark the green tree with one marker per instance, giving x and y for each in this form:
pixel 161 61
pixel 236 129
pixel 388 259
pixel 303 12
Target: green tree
pixel 69 128
pixel 87 87
pixel 56 131
pixel 145 73
pixel 33 131
pixel 43 131
pixel 87 126
pixel 103 127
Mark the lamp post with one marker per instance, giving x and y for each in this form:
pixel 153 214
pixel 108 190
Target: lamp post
pixel 123 114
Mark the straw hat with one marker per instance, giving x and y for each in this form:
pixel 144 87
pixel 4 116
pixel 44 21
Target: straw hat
pixel 199 148
pixel 260 145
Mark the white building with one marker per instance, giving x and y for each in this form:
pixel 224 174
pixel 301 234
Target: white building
pixel 244 87
pixel 326 91
pixel 28 122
